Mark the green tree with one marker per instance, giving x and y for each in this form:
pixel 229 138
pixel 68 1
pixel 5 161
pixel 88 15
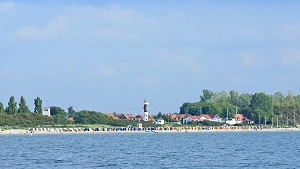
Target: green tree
pixel 207 95
pixel 12 106
pixel 159 115
pixel 1 108
pixel 115 114
pixel 71 111
pixel 60 115
pixel 261 105
pixel 38 103
pixel 23 108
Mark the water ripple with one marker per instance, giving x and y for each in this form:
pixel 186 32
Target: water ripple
pixel 162 150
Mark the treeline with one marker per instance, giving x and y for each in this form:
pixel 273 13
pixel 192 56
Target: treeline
pixel 255 106
pixel 19 115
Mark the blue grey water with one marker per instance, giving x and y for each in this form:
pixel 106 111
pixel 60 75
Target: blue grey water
pixel 152 150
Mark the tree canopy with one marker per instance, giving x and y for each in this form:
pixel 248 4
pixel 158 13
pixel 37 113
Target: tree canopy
pixel 253 106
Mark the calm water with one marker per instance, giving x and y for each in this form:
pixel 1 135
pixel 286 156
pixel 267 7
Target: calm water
pixel 152 150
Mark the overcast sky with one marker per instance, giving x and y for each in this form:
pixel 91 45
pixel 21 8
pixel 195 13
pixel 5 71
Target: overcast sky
pixel 109 55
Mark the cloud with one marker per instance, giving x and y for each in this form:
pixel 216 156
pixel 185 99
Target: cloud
pixel 123 16
pixel 107 70
pixel 248 59
pixel 291 55
pixel 87 21
pixel 115 34
pixel 4 6
pixel 191 63
pixel 54 28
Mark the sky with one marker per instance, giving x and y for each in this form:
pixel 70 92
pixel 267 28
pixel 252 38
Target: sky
pixel 109 55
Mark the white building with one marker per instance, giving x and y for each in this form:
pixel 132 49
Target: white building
pixel 210 117
pixel 146 118
pixel 46 111
pixel 159 121
pixel 139 126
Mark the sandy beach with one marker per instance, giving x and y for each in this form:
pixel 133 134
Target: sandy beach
pixel 22 131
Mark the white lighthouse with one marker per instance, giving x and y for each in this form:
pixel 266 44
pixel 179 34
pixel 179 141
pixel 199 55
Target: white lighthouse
pixel 146 118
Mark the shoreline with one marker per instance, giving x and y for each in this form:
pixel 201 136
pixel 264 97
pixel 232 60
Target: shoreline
pixel 26 132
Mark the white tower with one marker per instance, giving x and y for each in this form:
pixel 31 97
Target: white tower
pixel 146 118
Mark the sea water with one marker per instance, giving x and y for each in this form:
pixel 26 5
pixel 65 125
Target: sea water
pixel 152 150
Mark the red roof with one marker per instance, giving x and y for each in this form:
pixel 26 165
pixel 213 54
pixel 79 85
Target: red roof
pixel 195 117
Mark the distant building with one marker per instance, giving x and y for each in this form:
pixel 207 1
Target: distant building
pixel 239 119
pixel 126 116
pixel 110 115
pixel 46 111
pixel 209 117
pixel 176 117
pixel 146 118
pixel 139 126
pixel 139 117
pixel 159 121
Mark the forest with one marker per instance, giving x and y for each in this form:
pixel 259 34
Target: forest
pixel 255 106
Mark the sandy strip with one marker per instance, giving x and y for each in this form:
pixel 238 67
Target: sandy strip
pixel 20 131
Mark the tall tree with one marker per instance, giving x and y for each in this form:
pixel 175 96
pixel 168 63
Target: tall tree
pixel 261 105
pixel 207 95
pixel 159 115
pixel 71 112
pixel 38 105
pixel 23 108
pixel 1 108
pixel 59 115
pixel 12 106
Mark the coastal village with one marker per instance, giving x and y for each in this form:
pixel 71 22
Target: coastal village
pixel 176 122
pixel 182 118
pixel 179 118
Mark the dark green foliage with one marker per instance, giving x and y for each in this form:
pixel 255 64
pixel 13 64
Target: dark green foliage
pixel 25 120
pixel 159 115
pixel 12 106
pixel 251 106
pixel 23 108
pixel 71 111
pixel 261 105
pixel 207 95
pixel 38 105
pixel 60 115
pixel 1 108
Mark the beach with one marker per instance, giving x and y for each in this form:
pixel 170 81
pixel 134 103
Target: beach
pixel 23 131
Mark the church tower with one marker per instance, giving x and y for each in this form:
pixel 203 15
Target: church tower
pixel 146 118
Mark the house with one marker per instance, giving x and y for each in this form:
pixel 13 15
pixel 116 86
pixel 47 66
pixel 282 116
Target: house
pixel 126 116
pixel 176 117
pixel 191 119
pixel 159 121
pixel 210 117
pixel 110 115
pixel 232 121
pixel 215 118
pixel 46 111
pixel 240 118
pixel 139 117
